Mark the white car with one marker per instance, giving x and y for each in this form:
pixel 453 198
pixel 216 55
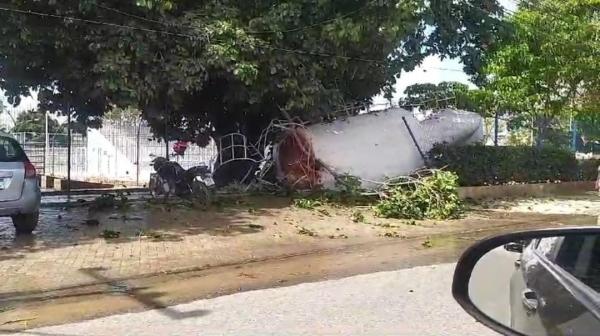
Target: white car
pixel 20 193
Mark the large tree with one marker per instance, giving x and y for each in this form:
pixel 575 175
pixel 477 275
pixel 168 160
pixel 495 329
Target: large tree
pixel 34 121
pixel 443 95
pixel 429 96
pixel 549 71
pixel 197 68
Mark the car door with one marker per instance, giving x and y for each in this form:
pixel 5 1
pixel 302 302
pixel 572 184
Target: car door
pixel 522 317
pixel 12 169
pixel 554 299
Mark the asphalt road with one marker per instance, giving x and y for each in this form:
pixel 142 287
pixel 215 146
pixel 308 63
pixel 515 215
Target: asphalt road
pixel 413 301
pixel 489 286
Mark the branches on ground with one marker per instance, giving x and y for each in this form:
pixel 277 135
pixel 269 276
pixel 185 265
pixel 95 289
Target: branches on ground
pixel 430 197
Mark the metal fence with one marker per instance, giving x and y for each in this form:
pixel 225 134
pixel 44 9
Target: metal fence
pixel 118 152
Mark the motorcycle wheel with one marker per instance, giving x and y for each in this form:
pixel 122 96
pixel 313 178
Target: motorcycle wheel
pixel 201 193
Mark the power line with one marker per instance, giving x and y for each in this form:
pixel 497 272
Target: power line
pixel 317 23
pixel 29 12
pixel 248 31
pixel 295 51
pixel 443 69
pixel 487 11
pixel 139 17
pixel 319 54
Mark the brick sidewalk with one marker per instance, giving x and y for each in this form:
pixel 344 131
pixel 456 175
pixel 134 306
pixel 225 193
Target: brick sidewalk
pixel 64 249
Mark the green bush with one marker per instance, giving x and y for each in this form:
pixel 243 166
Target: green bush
pixel 480 165
pixel 433 197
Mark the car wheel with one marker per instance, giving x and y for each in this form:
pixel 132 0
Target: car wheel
pixel 25 224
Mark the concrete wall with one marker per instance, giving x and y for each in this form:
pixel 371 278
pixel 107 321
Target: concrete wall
pixel 107 162
pixel 377 145
pixel 525 190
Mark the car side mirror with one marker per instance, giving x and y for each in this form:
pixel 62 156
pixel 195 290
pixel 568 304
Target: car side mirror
pixel 553 290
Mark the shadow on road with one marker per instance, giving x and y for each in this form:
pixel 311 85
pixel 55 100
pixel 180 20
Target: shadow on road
pixel 150 300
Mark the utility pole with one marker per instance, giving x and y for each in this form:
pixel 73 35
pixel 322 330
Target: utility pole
pixel 496 129
pixel 46 148
pixel 68 152
pixel 167 139
pixel 137 154
pixel 574 135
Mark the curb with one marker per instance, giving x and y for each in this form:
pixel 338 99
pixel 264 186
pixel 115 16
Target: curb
pixel 92 191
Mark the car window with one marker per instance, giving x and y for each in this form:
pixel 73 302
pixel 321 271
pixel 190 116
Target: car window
pixel 548 246
pixel 10 150
pixel 580 256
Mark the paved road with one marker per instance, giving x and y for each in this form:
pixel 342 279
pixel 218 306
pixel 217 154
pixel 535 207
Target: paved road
pixel 490 283
pixel 407 302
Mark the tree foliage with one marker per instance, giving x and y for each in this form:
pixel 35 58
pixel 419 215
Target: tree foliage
pixel 434 96
pixel 203 67
pixel 548 72
pixel 34 121
pixel 589 126
pixel 456 95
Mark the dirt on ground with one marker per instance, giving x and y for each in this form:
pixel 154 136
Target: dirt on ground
pixel 85 263
pixel 587 203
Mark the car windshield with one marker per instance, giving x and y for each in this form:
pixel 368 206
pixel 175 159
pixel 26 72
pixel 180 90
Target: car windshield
pixel 283 167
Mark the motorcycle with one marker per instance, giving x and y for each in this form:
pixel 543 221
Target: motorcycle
pixel 172 179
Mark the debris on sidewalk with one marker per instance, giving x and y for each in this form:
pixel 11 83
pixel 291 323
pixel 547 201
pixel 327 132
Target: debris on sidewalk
pixel 372 146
